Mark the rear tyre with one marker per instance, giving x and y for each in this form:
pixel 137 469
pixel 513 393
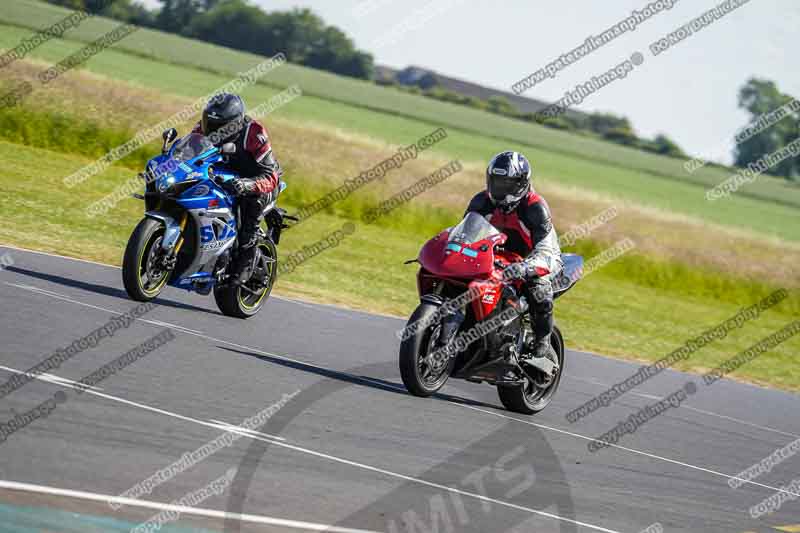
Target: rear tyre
pixel 528 398
pixel 142 275
pixel 422 375
pixel 247 300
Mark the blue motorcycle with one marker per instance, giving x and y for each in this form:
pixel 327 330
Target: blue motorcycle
pixel 187 238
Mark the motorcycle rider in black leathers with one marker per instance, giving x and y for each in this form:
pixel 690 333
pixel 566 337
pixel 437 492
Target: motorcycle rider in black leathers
pixel 511 205
pixel 224 121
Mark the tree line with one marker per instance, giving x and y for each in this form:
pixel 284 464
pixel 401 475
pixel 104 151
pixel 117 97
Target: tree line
pixel 300 34
pixel 775 120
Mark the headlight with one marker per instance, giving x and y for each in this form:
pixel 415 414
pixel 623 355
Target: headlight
pixel 166 183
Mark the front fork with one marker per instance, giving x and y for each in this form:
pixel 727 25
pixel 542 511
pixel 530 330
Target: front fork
pixel 450 323
pixel 173 239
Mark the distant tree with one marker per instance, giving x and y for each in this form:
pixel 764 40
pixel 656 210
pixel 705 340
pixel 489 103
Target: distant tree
pixel 300 34
pixel 501 106
pixel 176 15
pixel 131 12
pixel 621 136
pixel 665 146
pixel 553 122
pixel 72 4
pixel 759 97
pixel 126 10
pixel 251 23
pixel 604 123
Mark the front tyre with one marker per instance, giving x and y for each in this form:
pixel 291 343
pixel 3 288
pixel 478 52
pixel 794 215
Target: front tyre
pixel 528 398
pixel 244 301
pixel 422 374
pixel 142 272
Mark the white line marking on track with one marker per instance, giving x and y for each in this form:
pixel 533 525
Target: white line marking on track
pixel 277 441
pixel 66 298
pixel 631 450
pixel 50 378
pixel 68 384
pixel 209 513
pixel 179 328
pixel 690 408
pixel 243 431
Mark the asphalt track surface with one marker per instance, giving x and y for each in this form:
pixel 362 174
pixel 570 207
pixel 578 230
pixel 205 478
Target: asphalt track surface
pixel 350 450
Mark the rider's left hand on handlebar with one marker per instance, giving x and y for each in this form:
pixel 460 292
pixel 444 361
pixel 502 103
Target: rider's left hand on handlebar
pixel 525 270
pixel 239 186
pixel 516 271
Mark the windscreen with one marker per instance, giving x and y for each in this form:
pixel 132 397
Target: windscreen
pixel 472 229
pixel 191 146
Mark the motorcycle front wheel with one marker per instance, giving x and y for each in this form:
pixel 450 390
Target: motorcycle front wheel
pixel 142 274
pixel 244 301
pixel 422 374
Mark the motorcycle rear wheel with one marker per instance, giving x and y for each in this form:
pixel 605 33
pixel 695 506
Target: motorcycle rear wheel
pixel 528 399
pixel 240 303
pixel 418 376
pixel 143 278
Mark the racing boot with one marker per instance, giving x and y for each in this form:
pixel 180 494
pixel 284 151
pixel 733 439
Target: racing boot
pixel 242 267
pixel 542 361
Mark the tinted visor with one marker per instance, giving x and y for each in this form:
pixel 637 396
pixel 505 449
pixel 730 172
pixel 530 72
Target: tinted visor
pixel 211 125
pixel 501 186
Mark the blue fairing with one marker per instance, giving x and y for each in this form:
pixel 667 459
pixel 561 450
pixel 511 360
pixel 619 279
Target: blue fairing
pixel 181 176
pixel 168 172
pixel 210 207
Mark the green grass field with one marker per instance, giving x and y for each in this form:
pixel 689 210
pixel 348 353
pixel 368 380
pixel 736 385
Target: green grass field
pixel 693 266
pixel 575 160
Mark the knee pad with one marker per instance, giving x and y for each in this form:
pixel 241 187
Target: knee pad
pixel 540 291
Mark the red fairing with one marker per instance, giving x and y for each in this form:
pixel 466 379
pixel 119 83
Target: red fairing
pixel 439 261
pixel 489 292
pixel 482 273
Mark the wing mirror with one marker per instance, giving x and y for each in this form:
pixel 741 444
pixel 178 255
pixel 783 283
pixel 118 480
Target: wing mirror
pixel 168 136
pixel 228 148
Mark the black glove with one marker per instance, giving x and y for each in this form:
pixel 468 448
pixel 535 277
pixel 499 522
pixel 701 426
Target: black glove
pixel 516 271
pixel 240 186
pixel 523 270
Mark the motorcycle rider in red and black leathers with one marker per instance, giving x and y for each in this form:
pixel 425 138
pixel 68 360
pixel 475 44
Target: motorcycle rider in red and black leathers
pixel 224 121
pixel 511 205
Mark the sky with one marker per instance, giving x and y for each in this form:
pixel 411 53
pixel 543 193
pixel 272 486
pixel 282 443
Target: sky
pixel 688 92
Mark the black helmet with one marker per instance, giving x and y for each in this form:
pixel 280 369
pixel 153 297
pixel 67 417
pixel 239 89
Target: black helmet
pixel 508 179
pixel 223 112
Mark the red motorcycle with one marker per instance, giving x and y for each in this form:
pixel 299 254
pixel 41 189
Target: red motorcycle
pixel 472 322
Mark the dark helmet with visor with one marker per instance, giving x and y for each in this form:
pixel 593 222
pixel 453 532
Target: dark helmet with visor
pixel 508 179
pixel 223 116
